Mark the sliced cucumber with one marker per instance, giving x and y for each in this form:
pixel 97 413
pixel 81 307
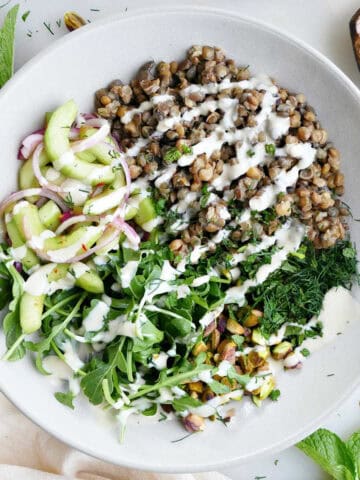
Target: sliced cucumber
pixel 17 240
pixel 83 237
pixel 49 215
pixel 102 152
pixel 31 213
pixel 146 212
pixel 56 138
pixel 90 282
pixel 31 309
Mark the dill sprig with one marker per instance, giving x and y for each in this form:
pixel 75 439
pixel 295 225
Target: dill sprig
pixel 296 291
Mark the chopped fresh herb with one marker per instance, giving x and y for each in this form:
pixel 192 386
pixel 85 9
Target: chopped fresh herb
pixel 160 207
pixel 186 150
pixel 94 10
pixel 172 155
pixel 29 33
pixel 239 340
pixel 205 194
pixel 65 398
pixel 25 15
pixel 7 34
pixel 305 352
pixel 330 375
pixel 270 149
pixel 48 27
pixel 69 200
pixel 58 22
pixel 274 395
pixel 259 478
pixel 182 438
pixel 163 417
pixel 295 292
pixel 276 462
pixel 250 153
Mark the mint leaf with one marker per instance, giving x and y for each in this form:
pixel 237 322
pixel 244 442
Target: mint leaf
pixel 353 446
pixel 7 34
pixel 65 398
pixel 330 452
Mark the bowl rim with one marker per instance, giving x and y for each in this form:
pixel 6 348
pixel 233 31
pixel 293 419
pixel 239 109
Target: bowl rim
pixel 198 10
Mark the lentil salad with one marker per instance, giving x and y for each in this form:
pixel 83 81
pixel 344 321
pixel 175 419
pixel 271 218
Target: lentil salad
pixel 181 253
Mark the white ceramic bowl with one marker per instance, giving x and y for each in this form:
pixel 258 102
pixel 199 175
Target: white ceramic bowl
pixel 88 59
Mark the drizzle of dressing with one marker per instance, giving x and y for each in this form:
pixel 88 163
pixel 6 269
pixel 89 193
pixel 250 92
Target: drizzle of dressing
pixel 128 272
pixel 288 240
pixel 94 320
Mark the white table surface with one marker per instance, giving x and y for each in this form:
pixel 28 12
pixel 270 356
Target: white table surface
pixel 321 23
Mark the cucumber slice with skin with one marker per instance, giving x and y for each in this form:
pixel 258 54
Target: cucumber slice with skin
pixel 30 259
pixel 56 138
pixel 61 248
pixel 88 281
pixel 31 213
pixel 31 309
pixel 101 152
pixel 57 146
pixel 146 212
pixel 49 215
pixel 86 156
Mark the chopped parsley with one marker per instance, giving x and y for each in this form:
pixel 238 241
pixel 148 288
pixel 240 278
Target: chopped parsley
pixel 172 155
pixel 205 194
pixel 25 15
pixel 250 153
pixel 48 27
pixel 305 352
pixel 270 149
pixel 274 395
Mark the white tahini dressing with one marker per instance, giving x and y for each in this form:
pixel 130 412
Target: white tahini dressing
pixel 94 320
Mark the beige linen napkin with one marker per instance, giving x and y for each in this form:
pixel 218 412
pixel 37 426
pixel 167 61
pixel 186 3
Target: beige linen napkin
pixel 29 453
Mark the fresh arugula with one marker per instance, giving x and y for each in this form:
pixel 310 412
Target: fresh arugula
pixel 66 398
pixel 339 459
pixel 7 36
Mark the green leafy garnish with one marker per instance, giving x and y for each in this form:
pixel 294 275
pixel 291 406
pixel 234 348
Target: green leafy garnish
pixel 205 194
pixel 250 153
pixel 274 395
pixel 25 15
pixel 65 398
pixel 270 149
pixel 7 35
pixel 339 459
pixel 172 155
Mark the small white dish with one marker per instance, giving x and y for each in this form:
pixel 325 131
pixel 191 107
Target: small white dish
pixel 86 60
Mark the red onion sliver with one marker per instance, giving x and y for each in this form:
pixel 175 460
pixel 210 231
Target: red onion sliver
pixel 95 121
pixel 37 172
pixel 127 229
pixel 30 192
pixel 29 144
pixel 74 220
pixel 74 133
pixel 99 136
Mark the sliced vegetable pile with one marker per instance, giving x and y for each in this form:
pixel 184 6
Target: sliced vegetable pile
pixel 139 279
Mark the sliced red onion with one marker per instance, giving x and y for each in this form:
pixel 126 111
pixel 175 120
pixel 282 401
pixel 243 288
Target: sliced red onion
pixel 89 142
pixel 66 215
pixel 37 172
pixel 74 133
pixel 96 122
pixel 29 144
pixel 73 220
pixel 30 192
pixel 127 229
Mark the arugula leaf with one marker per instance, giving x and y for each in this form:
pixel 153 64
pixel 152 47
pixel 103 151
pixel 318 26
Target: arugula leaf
pixel 331 453
pixel 7 34
pixel 183 403
pixel 65 398
pixel 353 446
